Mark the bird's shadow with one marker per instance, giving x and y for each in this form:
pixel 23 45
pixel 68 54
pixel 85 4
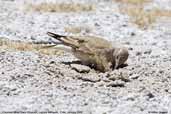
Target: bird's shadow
pixel 91 66
pixel 72 62
pixel 79 63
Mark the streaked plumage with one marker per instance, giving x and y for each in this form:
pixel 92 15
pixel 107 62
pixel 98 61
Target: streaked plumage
pixel 94 51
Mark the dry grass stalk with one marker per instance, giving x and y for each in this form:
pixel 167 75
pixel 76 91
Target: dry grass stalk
pixel 139 16
pixel 74 30
pixel 24 46
pixel 134 2
pixel 61 7
pixel 144 18
pixel 162 13
pixel 77 29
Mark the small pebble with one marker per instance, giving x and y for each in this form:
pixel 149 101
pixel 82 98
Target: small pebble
pixel 138 53
pixel 130 48
pixel 89 78
pixel 116 83
pixel 150 95
pixel 148 51
pixel 133 33
pixel 134 76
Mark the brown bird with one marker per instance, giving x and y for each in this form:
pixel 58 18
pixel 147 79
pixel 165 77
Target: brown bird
pixel 94 51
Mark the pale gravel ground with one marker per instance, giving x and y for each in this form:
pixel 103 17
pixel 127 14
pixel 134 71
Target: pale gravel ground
pixel 34 82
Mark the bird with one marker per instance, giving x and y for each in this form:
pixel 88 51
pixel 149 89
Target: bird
pixel 94 51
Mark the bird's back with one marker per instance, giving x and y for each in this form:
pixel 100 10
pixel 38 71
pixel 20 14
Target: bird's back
pixel 95 42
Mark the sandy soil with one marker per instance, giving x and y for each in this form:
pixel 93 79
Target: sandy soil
pixel 32 81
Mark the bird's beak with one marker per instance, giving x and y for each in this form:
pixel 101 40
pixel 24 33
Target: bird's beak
pixel 116 65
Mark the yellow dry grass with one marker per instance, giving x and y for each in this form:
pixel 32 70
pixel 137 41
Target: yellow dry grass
pixel 77 29
pixel 138 15
pixel 144 18
pixel 24 46
pixel 74 30
pixel 162 13
pixel 133 2
pixel 60 7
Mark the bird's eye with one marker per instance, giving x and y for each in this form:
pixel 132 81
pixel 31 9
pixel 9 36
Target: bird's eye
pixel 117 57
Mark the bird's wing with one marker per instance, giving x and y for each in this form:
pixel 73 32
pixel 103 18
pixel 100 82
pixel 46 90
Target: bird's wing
pixel 97 43
pixel 87 44
pixel 85 50
pixel 73 42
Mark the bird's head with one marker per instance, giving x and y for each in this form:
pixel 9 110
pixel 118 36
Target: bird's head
pixel 120 55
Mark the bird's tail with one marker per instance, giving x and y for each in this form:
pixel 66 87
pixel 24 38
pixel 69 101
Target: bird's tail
pixel 56 36
pixel 65 40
